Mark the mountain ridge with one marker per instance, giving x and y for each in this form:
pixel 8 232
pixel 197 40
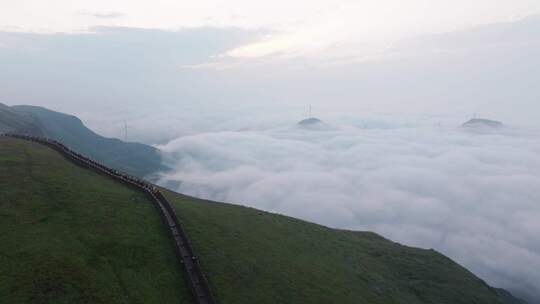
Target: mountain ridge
pixel 134 158
pixel 11 121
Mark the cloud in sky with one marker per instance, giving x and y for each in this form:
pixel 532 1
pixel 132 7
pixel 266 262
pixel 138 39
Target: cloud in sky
pixel 302 28
pixel 471 195
pixel 103 15
pixel 109 66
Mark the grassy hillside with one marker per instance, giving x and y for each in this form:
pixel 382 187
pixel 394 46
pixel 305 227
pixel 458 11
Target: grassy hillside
pixel 14 122
pixel 134 158
pixel 252 256
pixel 508 298
pixel 71 236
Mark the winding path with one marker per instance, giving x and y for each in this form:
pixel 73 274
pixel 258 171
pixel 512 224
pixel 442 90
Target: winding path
pixel 183 249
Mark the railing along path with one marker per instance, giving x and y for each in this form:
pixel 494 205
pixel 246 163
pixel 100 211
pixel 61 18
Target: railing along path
pixel 184 252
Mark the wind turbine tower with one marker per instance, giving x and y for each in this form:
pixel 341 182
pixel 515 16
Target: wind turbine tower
pixel 125 131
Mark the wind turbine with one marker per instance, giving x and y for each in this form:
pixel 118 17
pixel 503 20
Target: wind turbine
pixel 125 131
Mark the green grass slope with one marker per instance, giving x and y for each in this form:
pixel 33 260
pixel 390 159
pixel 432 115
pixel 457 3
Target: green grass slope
pixel 252 256
pixel 69 235
pixel 134 158
pixel 508 298
pixel 72 236
pixel 14 122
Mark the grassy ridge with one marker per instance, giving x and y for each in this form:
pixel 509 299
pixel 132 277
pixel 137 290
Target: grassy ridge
pixel 134 158
pixel 257 257
pixel 252 256
pixel 131 157
pixel 12 121
pixel 70 235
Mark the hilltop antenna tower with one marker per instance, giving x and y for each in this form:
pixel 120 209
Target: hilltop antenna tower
pixel 125 131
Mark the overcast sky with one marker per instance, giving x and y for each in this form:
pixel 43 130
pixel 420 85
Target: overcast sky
pixel 340 56
pixel 312 28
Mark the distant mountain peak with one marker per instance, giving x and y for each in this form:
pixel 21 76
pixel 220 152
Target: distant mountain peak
pixel 310 121
pixel 482 122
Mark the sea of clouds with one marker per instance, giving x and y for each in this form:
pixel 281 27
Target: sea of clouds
pixel 473 195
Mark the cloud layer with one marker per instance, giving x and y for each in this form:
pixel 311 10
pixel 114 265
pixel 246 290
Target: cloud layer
pixel 473 195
